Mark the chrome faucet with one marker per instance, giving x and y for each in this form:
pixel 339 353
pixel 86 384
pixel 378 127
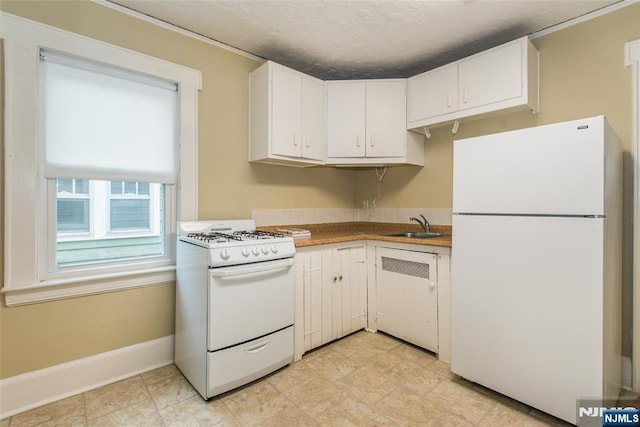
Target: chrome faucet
pixel 424 223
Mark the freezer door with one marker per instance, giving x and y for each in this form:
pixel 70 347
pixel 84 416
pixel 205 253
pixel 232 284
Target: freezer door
pixel 527 308
pixel 556 169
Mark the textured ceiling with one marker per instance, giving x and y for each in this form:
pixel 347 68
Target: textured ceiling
pixel 343 39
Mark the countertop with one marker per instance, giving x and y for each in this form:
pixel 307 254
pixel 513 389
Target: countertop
pixel 340 232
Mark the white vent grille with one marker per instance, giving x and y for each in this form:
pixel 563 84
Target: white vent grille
pixel 408 268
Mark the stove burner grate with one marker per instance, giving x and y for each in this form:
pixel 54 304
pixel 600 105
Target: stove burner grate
pixel 257 234
pixel 236 235
pixel 213 236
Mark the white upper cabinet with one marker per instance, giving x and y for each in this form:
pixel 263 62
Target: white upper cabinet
pixel 366 122
pixel 286 113
pixel 346 118
pixel 492 77
pixel 504 78
pixel 287 116
pixel 314 118
pixel 433 94
pixel 385 118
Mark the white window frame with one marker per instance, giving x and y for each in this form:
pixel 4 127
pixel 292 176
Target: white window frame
pixel 26 256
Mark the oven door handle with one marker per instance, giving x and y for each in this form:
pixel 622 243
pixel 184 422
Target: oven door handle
pixel 252 269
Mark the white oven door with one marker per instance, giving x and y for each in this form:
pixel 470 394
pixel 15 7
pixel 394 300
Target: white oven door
pixel 248 301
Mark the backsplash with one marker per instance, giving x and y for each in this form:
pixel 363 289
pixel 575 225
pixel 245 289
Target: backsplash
pixel 267 217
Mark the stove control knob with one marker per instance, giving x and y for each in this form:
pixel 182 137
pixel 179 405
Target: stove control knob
pixel 265 250
pixel 245 252
pixel 224 254
pixel 255 250
pixel 274 249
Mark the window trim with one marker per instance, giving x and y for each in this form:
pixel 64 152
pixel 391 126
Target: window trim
pixel 24 191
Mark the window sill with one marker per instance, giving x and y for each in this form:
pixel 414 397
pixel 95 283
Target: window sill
pixel 89 285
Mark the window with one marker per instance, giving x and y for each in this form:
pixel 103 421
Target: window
pixel 94 135
pixel 130 207
pixel 100 121
pixel 72 206
pixel 126 222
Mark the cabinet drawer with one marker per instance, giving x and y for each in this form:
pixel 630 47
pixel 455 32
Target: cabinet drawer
pixel 241 364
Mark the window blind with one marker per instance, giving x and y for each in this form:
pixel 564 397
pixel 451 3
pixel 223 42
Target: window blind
pixel 104 123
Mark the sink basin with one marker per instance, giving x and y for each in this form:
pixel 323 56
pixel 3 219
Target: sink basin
pixel 416 235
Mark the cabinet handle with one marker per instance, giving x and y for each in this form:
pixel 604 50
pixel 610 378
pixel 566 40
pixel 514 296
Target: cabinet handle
pixel 373 141
pixel 358 141
pixel 340 277
pixel 335 279
pixel 465 96
pixel 295 139
pixel 449 100
pixel 306 141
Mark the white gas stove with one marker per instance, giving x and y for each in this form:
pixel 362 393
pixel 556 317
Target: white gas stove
pixel 234 303
pixel 235 242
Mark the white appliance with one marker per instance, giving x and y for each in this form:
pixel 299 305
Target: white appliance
pixel 234 303
pixel 536 270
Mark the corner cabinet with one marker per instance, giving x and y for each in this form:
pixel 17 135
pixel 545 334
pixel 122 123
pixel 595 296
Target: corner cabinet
pixel 287 117
pixel 502 79
pixel 331 295
pixel 401 289
pixel 366 124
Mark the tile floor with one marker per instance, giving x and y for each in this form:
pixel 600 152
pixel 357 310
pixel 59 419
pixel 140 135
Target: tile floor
pixel 364 379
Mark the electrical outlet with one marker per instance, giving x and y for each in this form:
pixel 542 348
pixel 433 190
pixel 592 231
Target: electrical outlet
pixel 365 204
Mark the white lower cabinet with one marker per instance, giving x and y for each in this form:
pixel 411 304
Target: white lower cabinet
pixel 348 291
pixel 399 289
pixel 331 295
pixel 407 296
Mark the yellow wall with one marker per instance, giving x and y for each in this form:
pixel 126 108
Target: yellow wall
pixel 42 335
pixel 582 74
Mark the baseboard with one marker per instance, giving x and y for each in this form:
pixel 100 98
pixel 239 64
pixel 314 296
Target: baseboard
pixel 627 373
pixel 27 391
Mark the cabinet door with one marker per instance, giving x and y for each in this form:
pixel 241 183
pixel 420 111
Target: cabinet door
pixel 433 93
pixel 312 297
pixel 314 118
pixel 286 110
pixel 386 118
pixel 491 77
pixel 346 119
pixel 349 298
pixel 407 296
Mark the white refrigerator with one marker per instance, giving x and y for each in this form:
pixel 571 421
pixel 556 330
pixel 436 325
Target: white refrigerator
pixel 536 263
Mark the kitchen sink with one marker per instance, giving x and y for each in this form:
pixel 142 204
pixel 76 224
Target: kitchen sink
pixel 416 235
